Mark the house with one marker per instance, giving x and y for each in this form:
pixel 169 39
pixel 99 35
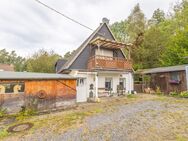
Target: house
pixel 45 90
pixel 6 67
pixel 59 64
pixel 168 79
pixel 101 63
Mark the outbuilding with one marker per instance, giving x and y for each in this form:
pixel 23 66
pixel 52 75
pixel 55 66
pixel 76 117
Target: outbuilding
pixel 44 90
pixel 167 79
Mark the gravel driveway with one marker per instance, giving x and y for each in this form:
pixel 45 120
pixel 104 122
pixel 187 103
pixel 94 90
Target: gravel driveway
pixel 155 119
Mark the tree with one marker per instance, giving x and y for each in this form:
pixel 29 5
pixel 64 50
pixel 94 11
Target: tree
pixel 177 49
pixel 119 30
pixel 12 58
pixel 42 61
pixel 177 45
pixel 152 48
pixel 136 23
pixel 158 17
pixel 68 54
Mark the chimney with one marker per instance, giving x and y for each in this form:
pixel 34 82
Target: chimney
pixel 105 20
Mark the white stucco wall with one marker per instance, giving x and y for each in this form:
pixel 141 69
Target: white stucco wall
pixel 83 93
pixel 129 81
pixel 116 78
pixel 90 79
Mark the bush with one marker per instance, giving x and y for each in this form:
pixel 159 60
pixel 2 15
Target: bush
pixel 184 94
pixel 175 94
pixel 158 91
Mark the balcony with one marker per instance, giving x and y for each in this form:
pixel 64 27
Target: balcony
pixel 108 63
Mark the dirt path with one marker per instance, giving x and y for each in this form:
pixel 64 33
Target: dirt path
pixel 143 119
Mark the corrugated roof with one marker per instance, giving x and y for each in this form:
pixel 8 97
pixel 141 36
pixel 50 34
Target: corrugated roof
pixel 7 75
pixel 163 69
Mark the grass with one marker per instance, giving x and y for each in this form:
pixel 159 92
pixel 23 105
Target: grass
pixel 3 134
pixel 59 122
pixel 181 138
pixel 131 96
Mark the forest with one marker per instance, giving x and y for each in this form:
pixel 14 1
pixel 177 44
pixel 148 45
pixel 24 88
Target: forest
pixel 161 40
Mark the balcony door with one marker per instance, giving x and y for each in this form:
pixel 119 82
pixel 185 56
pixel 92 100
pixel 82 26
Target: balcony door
pixel 104 52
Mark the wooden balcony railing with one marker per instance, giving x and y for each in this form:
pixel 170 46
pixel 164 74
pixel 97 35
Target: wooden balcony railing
pixel 105 62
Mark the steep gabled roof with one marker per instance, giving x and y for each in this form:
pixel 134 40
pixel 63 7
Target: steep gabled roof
pixel 59 64
pixel 83 45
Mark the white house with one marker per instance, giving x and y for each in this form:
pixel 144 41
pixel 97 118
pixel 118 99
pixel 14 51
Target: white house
pixel 100 64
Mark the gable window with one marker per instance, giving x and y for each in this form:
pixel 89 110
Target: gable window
pixel 108 84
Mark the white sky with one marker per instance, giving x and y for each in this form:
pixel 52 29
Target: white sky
pixel 26 26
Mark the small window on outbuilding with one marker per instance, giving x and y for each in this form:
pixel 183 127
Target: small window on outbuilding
pixel 174 76
pixel 12 87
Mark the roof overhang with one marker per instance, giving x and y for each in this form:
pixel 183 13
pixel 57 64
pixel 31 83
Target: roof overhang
pixel 5 75
pixel 162 69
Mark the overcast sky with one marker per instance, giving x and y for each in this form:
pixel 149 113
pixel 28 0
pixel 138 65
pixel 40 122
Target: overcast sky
pixel 26 26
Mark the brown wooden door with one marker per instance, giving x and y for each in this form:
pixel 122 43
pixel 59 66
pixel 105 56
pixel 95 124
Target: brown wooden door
pixel 161 83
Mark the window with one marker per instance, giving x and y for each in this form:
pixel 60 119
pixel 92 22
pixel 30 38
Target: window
pixel 80 82
pixel 108 84
pixel 174 76
pixel 12 88
pixel 122 82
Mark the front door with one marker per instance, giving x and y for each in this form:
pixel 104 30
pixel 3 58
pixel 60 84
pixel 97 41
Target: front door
pixel 108 84
pixel 81 88
pixel 122 83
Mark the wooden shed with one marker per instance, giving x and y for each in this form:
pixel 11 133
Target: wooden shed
pixel 18 89
pixel 168 79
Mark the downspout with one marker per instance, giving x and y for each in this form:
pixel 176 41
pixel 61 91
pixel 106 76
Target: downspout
pixel 186 74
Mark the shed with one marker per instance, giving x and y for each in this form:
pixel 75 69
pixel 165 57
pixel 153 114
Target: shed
pixel 168 79
pixel 18 89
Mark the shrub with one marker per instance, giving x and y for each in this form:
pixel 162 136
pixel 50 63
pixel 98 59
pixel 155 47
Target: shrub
pixel 184 94
pixel 158 91
pixel 174 94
